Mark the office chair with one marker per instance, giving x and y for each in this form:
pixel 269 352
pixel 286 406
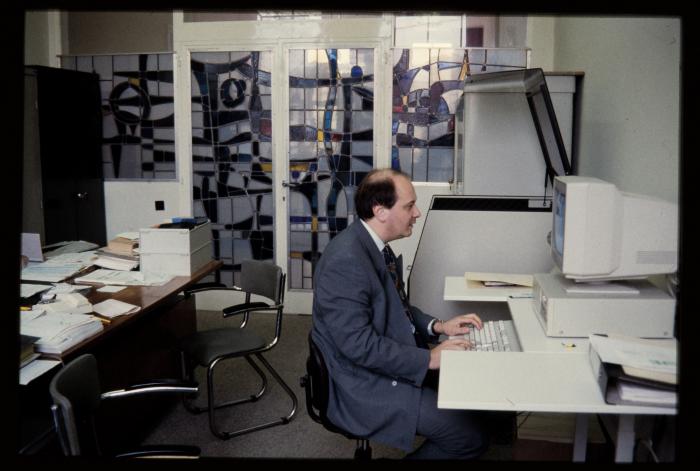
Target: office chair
pixel 208 348
pixel 315 384
pixel 76 395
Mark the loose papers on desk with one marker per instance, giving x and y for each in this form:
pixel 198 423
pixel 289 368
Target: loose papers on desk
pixel 111 308
pixel 124 278
pixel 66 247
pixel 58 331
pixel 69 303
pixel 35 369
pixel 58 268
pixel 631 370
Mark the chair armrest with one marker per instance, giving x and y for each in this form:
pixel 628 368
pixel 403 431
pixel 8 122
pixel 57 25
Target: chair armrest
pixel 210 286
pixel 166 451
pixel 244 308
pixel 155 386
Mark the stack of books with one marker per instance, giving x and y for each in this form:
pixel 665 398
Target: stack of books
pixel 635 371
pixel 121 253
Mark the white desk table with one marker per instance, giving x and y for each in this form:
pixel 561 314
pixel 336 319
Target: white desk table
pixel 549 375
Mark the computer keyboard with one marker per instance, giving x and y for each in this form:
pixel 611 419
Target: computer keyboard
pixel 494 336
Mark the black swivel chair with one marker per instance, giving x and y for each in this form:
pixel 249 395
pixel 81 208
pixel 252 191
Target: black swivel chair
pixel 208 348
pixel 75 391
pixel 315 384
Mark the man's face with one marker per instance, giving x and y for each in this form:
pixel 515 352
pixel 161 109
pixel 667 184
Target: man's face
pixel 401 217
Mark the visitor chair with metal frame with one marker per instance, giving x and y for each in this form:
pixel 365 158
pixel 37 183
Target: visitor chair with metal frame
pixel 208 348
pixel 76 395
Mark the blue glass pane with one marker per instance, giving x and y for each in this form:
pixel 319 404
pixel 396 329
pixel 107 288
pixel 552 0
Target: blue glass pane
pixel 138 113
pixel 330 148
pixel 231 155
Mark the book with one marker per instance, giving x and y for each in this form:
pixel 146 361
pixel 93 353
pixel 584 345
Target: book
pixel 651 359
pixel 123 245
pixel 633 383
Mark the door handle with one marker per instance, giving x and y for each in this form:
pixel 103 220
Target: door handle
pixel 287 184
pixel 81 195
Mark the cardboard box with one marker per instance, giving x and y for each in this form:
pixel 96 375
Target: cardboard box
pixel 179 252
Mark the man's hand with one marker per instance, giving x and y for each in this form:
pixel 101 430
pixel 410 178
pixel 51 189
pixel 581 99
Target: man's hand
pixel 450 344
pixel 458 325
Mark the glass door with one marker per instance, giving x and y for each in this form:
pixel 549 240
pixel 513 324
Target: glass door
pixel 331 123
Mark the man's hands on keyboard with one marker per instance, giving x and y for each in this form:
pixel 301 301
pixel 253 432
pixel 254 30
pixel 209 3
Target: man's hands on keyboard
pixel 458 325
pixel 491 338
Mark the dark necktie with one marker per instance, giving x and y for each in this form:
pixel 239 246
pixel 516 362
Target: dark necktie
pixel 390 261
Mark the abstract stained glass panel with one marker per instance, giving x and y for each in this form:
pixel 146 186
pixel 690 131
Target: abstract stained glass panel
pixel 331 101
pixel 232 154
pixel 427 86
pixel 138 113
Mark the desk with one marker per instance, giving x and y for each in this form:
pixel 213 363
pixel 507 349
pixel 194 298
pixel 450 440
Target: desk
pixel 549 375
pixel 130 349
pixel 150 298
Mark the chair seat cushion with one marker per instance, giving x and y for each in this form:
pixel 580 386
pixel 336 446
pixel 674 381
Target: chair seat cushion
pixel 207 345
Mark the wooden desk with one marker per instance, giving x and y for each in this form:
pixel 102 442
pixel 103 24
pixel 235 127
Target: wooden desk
pixel 131 349
pixel 150 298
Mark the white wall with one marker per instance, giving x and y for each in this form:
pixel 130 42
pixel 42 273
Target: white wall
pixel 43 38
pixel 630 108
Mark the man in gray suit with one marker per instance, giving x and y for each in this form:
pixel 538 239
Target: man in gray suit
pixel 376 346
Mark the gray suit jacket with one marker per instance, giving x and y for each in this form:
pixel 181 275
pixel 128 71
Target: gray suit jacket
pixel 367 340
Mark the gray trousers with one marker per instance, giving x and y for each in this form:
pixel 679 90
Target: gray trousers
pixel 449 434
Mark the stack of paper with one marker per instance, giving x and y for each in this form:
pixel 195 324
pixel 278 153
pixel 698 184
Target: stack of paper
pixel 59 267
pixel 113 308
pixel 115 262
pixel 125 243
pixel 57 331
pixel 124 278
pixel 498 279
pixel 121 253
pixel 632 370
pixel 66 247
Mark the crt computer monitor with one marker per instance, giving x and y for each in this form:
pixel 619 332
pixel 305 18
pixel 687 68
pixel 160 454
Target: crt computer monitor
pixel 600 233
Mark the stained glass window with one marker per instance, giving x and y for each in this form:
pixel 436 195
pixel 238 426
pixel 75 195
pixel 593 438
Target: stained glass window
pixel 331 102
pixel 137 103
pixel 232 154
pixel 427 86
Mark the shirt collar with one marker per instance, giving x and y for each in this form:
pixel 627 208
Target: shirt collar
pixel 377 240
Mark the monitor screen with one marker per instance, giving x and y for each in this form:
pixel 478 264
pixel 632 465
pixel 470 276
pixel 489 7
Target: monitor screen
pixel 600 233
pixel 558 227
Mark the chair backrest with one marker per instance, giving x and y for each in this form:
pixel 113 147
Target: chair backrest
pixel 75 391
pixel 263 279
pixel 317 389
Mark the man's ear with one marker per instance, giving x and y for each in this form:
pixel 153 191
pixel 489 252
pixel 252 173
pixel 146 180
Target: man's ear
pixel 379 212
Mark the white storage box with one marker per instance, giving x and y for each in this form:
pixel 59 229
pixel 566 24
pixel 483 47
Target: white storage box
pixel 171 251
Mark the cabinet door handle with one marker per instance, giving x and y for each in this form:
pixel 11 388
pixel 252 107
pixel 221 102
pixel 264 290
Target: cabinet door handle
pixel 82 195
